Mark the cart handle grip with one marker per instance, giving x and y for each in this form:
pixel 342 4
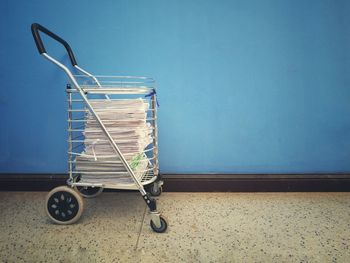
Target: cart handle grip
pixel 39 43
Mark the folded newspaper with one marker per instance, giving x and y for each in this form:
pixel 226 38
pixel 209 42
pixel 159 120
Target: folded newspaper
pixel 125 120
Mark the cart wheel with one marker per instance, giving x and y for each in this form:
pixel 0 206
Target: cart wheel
pixel 163 226
pixel 155 189
pixel 64 205
pixel 89 192
pixel 86 191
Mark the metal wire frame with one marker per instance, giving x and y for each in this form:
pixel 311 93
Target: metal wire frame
pixel 77 116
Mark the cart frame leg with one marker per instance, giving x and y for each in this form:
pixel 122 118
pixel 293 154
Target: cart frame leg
pixel 155 217
pixel 152 205
pixel 150 202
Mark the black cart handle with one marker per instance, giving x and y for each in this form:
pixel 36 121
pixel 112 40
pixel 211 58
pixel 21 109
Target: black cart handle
pixel 39 43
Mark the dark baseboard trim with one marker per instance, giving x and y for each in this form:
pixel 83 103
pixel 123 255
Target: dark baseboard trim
pixel 259 183
pixel 203 182
pixel 31 182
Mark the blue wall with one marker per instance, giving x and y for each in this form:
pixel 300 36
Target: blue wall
pixel 244 86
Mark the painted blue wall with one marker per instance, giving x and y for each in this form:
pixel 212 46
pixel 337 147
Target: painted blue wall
pixel 244 86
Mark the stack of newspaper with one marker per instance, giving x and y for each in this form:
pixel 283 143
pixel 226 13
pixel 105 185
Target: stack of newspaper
pixel 125 120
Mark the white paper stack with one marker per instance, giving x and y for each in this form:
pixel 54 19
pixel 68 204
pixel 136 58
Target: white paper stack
pixel 125 120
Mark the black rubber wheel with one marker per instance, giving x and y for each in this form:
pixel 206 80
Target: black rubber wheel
pixel 64 205
pixel 155 190
pixel 87 191
pixel 163 226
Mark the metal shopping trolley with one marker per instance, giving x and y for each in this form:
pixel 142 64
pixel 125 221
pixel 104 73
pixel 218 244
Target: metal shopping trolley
pixel 112 139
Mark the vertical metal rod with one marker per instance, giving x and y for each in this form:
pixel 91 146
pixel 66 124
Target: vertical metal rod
pixel 70 146
pixel 155 135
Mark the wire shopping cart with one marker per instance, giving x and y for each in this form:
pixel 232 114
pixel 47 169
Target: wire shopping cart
pixel 112 139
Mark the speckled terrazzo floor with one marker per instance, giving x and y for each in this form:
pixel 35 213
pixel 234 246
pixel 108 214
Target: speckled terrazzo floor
pixel 203 227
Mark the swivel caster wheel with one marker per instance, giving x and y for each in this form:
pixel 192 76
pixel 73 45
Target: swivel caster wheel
pixel 88 191
pixel 156 188
pixel 64 205
pixel 161 228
